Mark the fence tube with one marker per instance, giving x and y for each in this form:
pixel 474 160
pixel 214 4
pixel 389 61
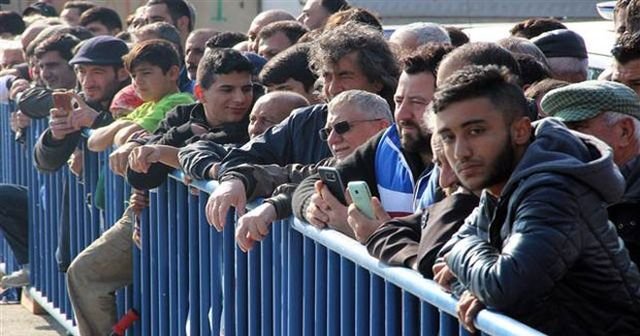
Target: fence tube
pixel 173 221
pixel 428 319
pixel 267 276
pixel 333 293
pixel 308 294
pixel 376 312
pixel 347 299
pixel 321 291
pixel 362 301
pixel 242 286
pixel 295 261
pixel 255 290
pixel 410 314
pixel 203 265
pixel 228 295
pixel 182 267
pixel 194 279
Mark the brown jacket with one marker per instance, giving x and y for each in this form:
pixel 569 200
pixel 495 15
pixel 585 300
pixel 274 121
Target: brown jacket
pixel 414 241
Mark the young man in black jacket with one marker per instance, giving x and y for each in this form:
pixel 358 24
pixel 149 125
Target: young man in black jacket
pixel 539 247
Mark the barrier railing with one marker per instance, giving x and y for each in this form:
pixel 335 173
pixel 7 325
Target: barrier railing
pixel 191 279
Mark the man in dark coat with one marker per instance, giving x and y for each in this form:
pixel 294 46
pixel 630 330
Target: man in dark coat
pixel 539 247
pixel 609 111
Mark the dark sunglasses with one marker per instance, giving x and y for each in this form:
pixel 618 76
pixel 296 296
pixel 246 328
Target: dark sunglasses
pixel 340 128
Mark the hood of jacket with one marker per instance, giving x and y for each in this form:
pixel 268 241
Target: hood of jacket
pixel 556 149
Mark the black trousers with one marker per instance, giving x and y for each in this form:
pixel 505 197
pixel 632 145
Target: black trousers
pixel 14 221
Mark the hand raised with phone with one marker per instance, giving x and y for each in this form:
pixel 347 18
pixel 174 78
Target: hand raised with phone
pixel 59 116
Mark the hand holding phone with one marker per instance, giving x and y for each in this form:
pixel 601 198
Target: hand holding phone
pixel 62 102
pixel 361 197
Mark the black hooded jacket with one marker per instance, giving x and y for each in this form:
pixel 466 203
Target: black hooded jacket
pixel 544 252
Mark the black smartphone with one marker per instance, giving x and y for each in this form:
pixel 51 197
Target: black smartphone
pixel 331 178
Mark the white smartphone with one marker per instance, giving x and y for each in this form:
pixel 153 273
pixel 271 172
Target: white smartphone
pixel 361 197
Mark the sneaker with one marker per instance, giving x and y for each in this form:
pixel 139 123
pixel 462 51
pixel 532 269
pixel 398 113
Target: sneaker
pixel 18 278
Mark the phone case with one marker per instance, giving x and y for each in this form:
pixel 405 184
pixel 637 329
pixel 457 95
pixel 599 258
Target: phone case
pixel 331 178
pixel 361 197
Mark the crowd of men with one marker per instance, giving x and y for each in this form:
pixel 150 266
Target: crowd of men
pixel 499 170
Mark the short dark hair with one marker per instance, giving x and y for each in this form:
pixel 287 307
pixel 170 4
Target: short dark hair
pixel 483 53
pixel 627 47
pixel 457 36
pixel 633 16
pixel 164 31
pixel 62 43
pixel 81 5
pixel 539 89
pixel 106 16
pixel 530 28
pixel 426 58
pixel 354 14
pixel 11 22
pixel 156 52
pixel 292 29
pixel 495 83
pixel 292 63
pixel 531 70
pixel 333 6
pixel 225 39
pixel 177 9
pixel 220 61
pixel 79 32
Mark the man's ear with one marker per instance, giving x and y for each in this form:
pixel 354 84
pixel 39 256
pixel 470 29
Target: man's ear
pixel 183 24
pixel 378 87
pixel 521 131
pixel 626 131
pixel 174 72
pixel 122 74
pixel 197 92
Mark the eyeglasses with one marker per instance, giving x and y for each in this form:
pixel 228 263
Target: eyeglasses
pixel 340 128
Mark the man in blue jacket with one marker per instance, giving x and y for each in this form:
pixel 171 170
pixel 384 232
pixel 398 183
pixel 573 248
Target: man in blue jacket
pixel 539 247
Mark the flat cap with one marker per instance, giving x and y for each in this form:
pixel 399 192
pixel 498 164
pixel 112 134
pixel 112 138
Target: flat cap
pixel 561 43
pixel 100 50
pixel 585 100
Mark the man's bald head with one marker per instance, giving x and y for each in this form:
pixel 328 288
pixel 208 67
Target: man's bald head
pixel 265 18
pixel 272 108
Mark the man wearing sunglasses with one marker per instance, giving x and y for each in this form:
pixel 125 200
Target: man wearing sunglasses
pixel 396 164
pixel 354 117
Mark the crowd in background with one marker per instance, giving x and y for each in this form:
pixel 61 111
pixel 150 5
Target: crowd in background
pixel 499 170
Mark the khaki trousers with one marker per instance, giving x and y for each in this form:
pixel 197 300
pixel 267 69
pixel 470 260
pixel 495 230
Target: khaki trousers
pixel 96 273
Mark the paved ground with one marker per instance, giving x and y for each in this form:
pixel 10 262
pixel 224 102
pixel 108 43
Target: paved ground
pixel 15 320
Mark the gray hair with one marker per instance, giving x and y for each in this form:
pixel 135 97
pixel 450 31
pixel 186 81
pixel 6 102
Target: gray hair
pixel 611 118
pixel 426 32
pixel 367 103
pixel 523 46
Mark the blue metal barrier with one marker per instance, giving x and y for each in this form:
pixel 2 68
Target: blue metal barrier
pixel 191 279
pixel 299 280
